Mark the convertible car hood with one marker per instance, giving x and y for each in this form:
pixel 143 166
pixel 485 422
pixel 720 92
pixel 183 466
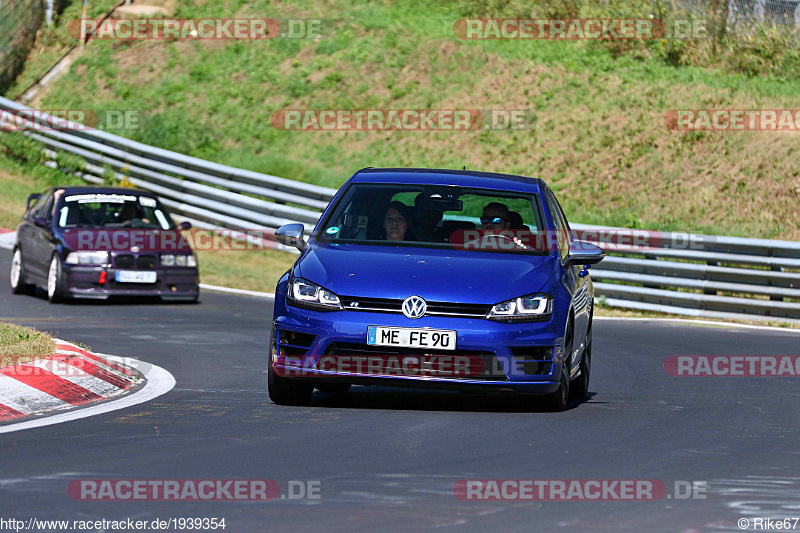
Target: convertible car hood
pixel 434 274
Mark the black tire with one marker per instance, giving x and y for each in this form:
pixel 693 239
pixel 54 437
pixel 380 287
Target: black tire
pixel 330 387
pixel 580 386
pixel 557 400
pixel 285 391
pixel 17 279
pixel 55 292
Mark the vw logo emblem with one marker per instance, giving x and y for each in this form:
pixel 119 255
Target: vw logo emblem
pixel 414 307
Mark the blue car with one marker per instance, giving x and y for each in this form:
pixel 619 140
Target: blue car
pixel 459 280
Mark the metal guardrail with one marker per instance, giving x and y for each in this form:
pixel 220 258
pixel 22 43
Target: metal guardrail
pixel 194 187
pixel 689 274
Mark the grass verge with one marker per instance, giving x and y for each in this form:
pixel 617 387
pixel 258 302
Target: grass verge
pixel 19 344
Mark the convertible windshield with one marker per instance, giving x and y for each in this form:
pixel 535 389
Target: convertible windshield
pixel 112 211
pixel 433 216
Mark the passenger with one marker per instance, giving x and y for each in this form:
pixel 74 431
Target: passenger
pixel 496 218
pixel 426 220
pixel 396 222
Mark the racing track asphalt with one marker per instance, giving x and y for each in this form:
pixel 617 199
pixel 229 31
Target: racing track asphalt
pixel 387 459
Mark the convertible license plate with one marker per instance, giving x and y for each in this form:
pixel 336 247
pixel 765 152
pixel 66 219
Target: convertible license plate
pixel 438 339
pixel 132 276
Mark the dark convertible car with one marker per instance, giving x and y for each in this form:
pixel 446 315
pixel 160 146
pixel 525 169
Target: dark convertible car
pixel 96 242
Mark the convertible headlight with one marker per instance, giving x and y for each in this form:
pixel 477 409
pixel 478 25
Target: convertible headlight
pixel 532 307
pixel 87 258
pixel 303 293
pixel 168 260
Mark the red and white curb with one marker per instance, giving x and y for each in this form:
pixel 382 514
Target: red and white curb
pixel 7 238
pixel 74 377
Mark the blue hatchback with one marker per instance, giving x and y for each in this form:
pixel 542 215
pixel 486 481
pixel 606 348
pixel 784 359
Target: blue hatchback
pixel 428 278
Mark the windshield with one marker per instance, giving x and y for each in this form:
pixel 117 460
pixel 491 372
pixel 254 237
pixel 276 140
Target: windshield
pixel 112 211
pixel 433 216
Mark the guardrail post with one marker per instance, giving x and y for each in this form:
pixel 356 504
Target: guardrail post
pixel 777 298
pixel 715 264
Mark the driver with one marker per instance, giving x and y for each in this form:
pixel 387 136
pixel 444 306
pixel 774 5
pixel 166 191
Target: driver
pixel 129 212
pixel 496 218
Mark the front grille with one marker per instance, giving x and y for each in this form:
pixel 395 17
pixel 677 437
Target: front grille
pixel 124 261
pixel 383 305
pixel 146 261
pixel 533 360
pixel 491 369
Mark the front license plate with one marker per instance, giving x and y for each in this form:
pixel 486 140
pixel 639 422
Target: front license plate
pixel 132 276
pixel 438 339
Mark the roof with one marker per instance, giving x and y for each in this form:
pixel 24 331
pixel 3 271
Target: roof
pixel 462 178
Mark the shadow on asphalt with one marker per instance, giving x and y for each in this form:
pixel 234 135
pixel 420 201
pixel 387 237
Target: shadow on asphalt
pixel 403 399
pixel 41 294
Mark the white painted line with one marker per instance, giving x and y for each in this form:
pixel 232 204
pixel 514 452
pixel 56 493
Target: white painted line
pixel 701 322
pixel 7 239
pixel 267 295
pixel 159 382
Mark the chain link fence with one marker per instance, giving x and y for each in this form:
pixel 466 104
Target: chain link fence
pixel 742 15
pixel 19 22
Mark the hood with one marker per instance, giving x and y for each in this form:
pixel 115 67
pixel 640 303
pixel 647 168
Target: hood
pixel 434 274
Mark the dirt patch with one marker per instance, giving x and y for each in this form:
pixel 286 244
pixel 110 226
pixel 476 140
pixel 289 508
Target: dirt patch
pixel 141 10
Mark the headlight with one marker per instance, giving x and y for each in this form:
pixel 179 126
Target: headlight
pixel 532 307
pixel 87 258
pixel 303 293
pixel 178 260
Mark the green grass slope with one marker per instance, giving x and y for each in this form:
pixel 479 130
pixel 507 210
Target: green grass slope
pixel 599 136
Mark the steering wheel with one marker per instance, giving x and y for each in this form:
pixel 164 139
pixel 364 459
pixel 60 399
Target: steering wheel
pixel 489 237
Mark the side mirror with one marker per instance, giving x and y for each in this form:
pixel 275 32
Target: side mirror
pixel 583 253
pixel 41 222
pixel 185 226
pixel 291 235
pixel 31 199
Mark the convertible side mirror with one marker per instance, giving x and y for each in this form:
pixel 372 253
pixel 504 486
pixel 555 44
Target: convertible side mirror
pixel 31 199
pixel 291 235
pixel 185 226
pixel 583 253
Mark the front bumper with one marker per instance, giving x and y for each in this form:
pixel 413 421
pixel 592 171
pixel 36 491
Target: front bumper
pixel 507 346
pixel 173 283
